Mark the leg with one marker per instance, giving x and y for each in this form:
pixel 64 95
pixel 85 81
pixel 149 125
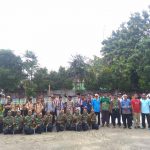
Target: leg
pixel 113 117
pixel 124 120
pixel 107 117
pixel 143 120
pixel 148 119
pixel 129 120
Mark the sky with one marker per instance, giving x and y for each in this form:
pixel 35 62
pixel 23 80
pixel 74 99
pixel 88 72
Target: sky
pixel 56 30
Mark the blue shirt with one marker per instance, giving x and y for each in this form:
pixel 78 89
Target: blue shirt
pixel 96 104
pixel 126 106
pixel 145 106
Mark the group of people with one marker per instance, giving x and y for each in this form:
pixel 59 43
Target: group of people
pixel 82 113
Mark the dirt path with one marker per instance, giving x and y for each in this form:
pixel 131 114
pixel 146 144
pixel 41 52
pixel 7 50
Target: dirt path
pixel 104 139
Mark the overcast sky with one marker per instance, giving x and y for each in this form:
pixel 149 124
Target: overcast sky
pixel 57 29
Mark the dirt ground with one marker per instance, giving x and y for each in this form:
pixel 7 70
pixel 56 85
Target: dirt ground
pixel 104 139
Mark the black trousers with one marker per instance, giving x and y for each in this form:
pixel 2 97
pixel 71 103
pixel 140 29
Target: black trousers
pixel 116 115
pixel 105 117
pixel 126 118
pixel 143 120
pixel 98 114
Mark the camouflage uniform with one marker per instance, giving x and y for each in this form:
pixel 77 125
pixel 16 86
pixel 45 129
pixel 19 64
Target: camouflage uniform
pixel 8 123
pixel 85 118
pixel 48 122
pixel 60 122
pixel 77 119
pixel 69 119
pixel 93 120
pixel 39 126
pixel 1 123
pixel 29 124
pixel 18 123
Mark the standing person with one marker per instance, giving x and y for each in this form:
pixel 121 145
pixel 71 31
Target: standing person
pixel 96 106
pixel 7 107
pixel 70 104
pixel 38 107
pixel 29 105
pixel 145 110
pixel 105 107
pixel 126 111
pixel 136 110
pixel 115 110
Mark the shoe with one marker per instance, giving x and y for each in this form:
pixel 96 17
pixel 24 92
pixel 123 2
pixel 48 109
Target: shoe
pixel 124 127
pixel 129 128
pixel 142 127
pixel 107 125
pixel 138 127
pixel 114 126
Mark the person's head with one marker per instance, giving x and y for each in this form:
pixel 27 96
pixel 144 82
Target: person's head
pixel 96 96
pixel 135 96
pixel 18 113
pixel 77 111
pixel 69 98
pixel 125 96
pixel 29 112
pixel 68 111
pixel 85 110
pixel 30 100
pixel 92 110
pixel 62 111
pixel 39 115
pixel 143 96
pixel 9 113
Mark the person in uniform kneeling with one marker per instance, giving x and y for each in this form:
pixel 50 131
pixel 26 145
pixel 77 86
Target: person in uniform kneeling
pixel 85 117
pixel 60 121
pixel 18 123
pixel 8 122
pixel 48 122
pixel 29 123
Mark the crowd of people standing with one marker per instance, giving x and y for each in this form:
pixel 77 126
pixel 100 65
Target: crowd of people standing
pixel 80 113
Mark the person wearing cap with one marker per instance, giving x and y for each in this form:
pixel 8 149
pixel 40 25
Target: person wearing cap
pixel 136 110
pixel 48 122
pixel 29 123
pixel 8 123
pixel 145 110
pixel 126 111
pixel 85 118
pixel 18 123
pixel 105 108
pixel 115 109
pixel 96 106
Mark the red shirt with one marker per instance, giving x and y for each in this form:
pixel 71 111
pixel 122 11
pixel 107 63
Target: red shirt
pixel 136 105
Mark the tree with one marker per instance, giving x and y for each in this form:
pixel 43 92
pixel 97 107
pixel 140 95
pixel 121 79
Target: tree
pixel 11 70
pixel 124 53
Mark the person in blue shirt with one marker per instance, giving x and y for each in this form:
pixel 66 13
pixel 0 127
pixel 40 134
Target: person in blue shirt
pixel 126 111
pixel 96 106
pixel 145 110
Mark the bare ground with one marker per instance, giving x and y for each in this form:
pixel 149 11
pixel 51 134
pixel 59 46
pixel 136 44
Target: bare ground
pixel 104 139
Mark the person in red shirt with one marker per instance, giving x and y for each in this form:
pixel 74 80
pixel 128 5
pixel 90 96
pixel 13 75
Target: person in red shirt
pixel 136 110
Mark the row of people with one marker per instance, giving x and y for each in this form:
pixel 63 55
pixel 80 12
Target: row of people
pixel 32 124
pixel 116 106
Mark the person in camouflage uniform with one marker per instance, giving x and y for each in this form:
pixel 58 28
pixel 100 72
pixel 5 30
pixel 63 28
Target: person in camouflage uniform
pixel 1 117
pixel 93 123
pixel 1 123
pixel 48 122
pixel 8 123
pixel 38 121
pixel 77 120
pixel 18 123
pixel 29 123
pixel 85 118
pixel 69 119
pixel 60 122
